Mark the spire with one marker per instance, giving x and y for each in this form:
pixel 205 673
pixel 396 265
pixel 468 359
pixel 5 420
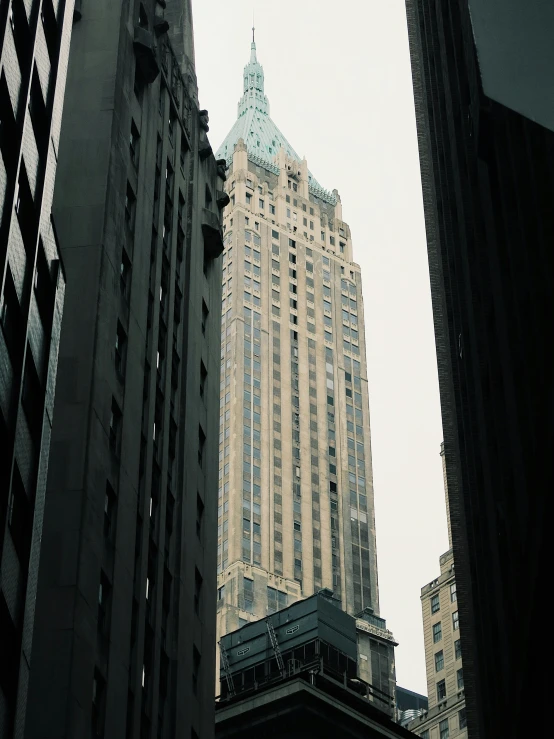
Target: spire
pixel 253 78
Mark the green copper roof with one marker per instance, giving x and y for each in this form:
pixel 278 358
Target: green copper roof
pixel 255 126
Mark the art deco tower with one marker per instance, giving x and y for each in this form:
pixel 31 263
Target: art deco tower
pixel 295 480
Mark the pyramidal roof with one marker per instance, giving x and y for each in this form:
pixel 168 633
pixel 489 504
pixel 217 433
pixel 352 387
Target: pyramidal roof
pixel 255 126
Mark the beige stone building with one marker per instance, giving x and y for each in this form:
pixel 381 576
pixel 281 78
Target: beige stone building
pixel 296 510
pixel 446 717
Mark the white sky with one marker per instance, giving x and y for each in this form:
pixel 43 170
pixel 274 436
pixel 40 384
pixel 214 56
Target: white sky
pixel 337 75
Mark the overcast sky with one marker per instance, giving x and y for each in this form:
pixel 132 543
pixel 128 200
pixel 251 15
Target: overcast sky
pixel 337 75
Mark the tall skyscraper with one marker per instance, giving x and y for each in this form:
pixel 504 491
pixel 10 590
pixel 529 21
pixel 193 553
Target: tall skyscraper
pixel 446 712
pixel 482 74
pixel 125 615
pixel 34 47
pixel 296 507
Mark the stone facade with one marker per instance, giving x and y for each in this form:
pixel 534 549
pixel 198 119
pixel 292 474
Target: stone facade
pixel 125 618
pixel 296 509
pixel 446 717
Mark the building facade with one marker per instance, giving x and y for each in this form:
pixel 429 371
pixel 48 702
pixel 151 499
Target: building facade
pixel 445 717
pixel 482 76
pixel 34 48
pixel 125 617
pixel 296 507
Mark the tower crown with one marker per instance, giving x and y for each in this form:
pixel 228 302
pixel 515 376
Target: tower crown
pixel 253 89
pixel 258 131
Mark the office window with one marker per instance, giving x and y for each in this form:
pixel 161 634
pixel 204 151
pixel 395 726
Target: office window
pixel 120 349
pixel 437 632
pixel 248 198
pixel 115 427
pixel 196 658
pixel 435 603
pixel 455 621
pixel 134 144
pixel 201 446
pixel 439 661
pixel 130 202
pixel 460 678
pixel 199 515
pixel 109 511
pixel 462 719
pixel 453 594
pixel 197 590
pixel 457 649
pixel 444 732
pixel 260 203
pixel 441 690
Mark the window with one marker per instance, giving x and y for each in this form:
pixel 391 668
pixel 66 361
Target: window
pixel 424 734
pixel 196 658
pixel 455 621
pixel 248 198
pixel 453 593
pixel 444 733
pixel 115 427
pixel 130 202
pixel 205 313
pixel 98 703
pixel 201 445
pixel 120 349
pixel 460 678
pixel 104 590
pixel 261 203
pixel 435 603
pixel 441 690
pixel 109 511
pixel 197 590
pixel 457 649
pixel 134 144
pixel 437 632
pixel 439 661
pixel 462 718
pixel 199 516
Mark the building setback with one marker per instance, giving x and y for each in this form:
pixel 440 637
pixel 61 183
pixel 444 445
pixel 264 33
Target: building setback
pixel 125 617
pixel 295 675
pixel 482 74
pixel 296 510
pixel 34 46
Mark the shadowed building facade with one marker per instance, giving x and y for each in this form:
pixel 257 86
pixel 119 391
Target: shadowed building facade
pixel 482 74
pixel 125 616
pixel 34 48
pixel 296 509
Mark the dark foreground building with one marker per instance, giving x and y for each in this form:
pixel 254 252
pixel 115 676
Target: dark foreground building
pixel 34 46
pixel 125 617
pixel 482 74
pixel 294 674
